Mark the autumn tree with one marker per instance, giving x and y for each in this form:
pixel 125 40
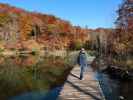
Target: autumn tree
pixel 19 25
pixel 124 32
pixel 25 23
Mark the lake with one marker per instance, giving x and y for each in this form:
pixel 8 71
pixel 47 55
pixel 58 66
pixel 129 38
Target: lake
pixel 115 89
pixel 30 77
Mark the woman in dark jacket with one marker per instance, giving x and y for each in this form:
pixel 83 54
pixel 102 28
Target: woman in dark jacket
pixel 82 61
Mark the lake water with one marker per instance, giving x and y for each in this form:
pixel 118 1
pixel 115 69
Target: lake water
pixel 41 78
pixel 115 89
pixel 32 77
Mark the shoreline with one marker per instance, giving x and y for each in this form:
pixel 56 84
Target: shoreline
pixel 113 71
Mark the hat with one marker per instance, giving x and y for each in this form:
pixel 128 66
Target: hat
pixel 82 49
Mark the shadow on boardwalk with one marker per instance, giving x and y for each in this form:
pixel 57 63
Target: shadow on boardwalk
pixel 74 75
pixel 83 91
pixel 80 89
pixel 76 89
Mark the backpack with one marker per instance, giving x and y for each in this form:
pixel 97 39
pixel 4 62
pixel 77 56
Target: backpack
pixel 78 59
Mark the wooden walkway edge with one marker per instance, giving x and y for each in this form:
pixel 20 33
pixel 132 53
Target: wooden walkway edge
pixel 86 89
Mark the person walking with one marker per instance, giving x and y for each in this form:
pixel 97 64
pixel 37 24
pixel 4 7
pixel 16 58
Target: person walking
pixel 82 61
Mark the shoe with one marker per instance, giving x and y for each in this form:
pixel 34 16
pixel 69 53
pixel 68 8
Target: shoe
pixel 81 78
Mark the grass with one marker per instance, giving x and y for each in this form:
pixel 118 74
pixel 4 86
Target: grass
pixel 31 73
pixel 91 53
pixel 124 63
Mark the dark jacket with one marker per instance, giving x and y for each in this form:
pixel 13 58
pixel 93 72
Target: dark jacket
pixel 82 58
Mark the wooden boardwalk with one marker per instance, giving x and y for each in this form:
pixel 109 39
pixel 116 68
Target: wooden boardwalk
pixel 86 89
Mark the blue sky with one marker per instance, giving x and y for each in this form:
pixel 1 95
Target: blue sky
pixel 93 13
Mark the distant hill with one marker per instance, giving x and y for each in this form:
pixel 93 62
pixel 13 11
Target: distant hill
pixel 18 25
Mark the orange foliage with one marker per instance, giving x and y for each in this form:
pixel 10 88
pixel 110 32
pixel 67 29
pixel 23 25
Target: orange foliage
pixel 53 32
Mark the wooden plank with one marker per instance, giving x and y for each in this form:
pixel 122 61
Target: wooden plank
pixel 76 89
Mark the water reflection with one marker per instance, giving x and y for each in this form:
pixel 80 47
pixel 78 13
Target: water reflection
pixel 39 95
pixel 26 75
pixel 114 89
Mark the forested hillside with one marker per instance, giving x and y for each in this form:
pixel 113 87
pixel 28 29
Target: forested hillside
pixel 20 28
